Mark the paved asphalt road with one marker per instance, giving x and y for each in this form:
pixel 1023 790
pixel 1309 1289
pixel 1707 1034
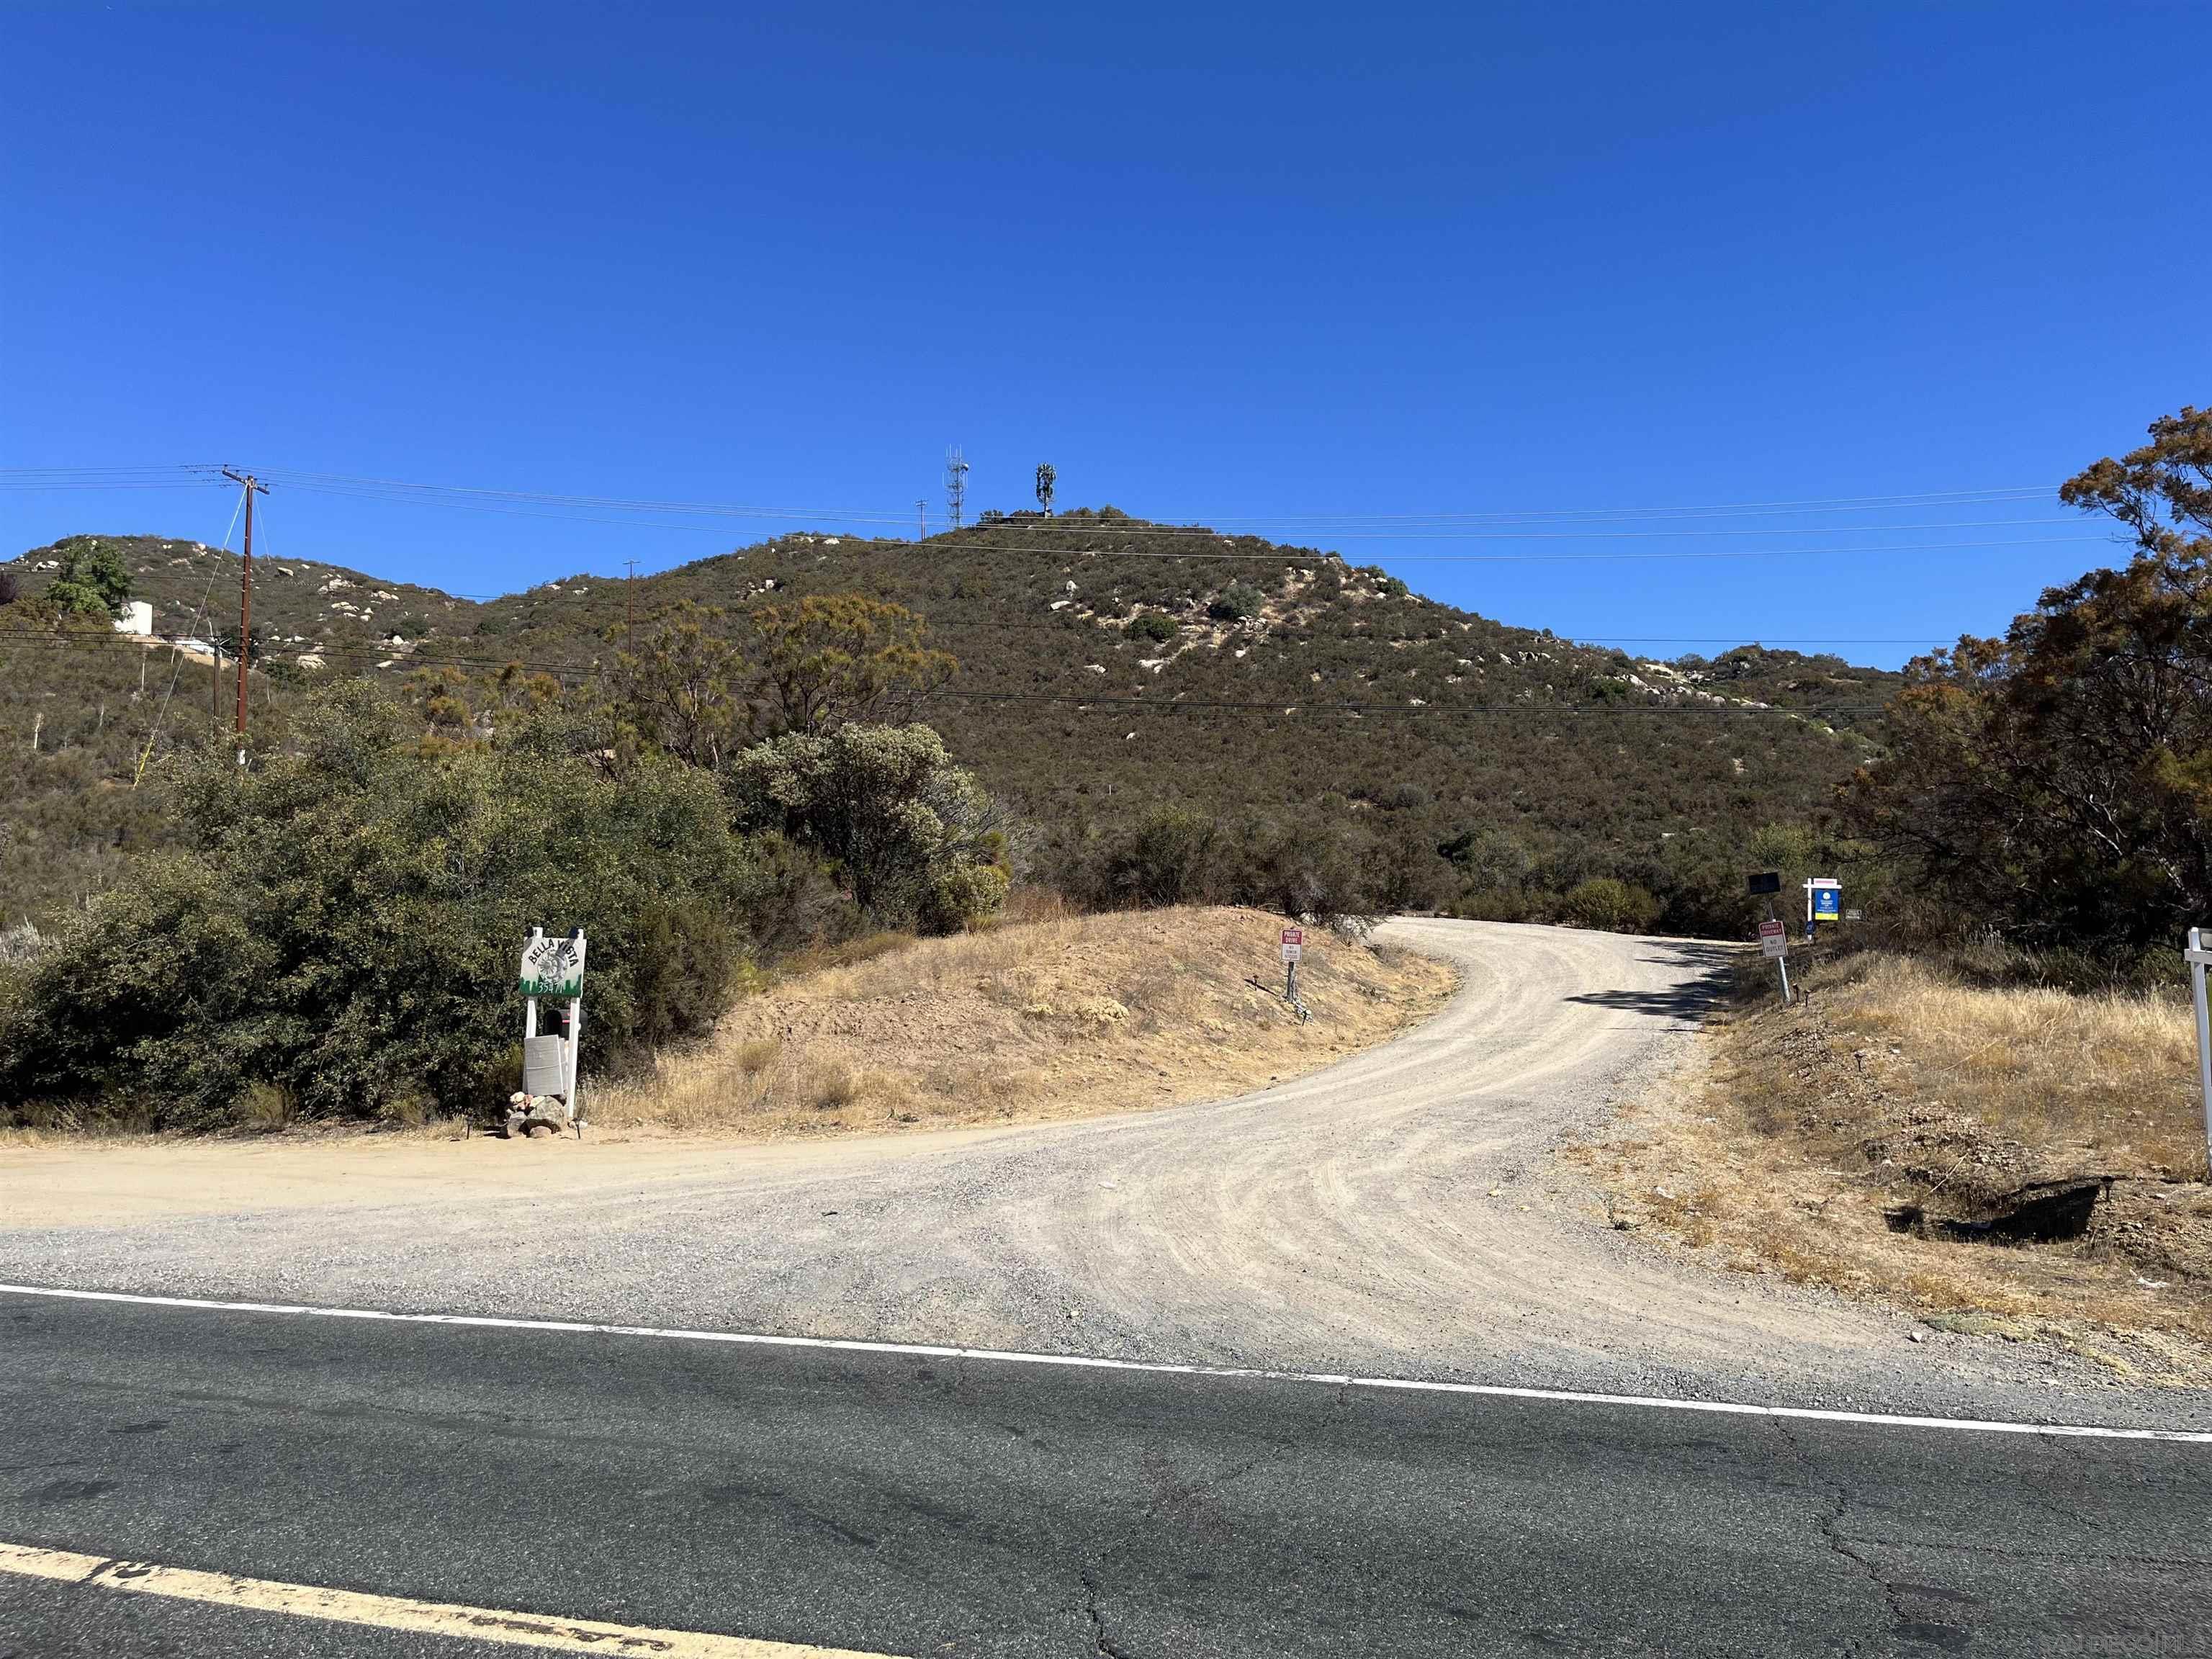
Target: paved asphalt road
pixel 911 1506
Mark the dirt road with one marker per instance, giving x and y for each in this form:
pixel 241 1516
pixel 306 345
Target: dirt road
pixel 1398 1213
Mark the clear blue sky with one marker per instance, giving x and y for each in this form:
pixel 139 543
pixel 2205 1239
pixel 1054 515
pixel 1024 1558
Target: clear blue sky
pixel 1345 263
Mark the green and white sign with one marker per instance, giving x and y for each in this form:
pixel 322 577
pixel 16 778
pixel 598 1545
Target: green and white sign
pixel 552 967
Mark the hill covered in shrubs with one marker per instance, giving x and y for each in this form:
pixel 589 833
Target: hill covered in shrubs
pixel 1273 721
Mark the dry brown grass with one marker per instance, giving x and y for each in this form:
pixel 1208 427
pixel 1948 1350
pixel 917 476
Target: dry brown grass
pixel 1053 1016
pixel 1893 1084
pixel 2108 1081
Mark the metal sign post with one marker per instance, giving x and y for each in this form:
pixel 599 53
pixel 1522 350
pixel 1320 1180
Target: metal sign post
pixel 1294 945
pixel 1773 937
pixel 2198 957
pixel 1774 942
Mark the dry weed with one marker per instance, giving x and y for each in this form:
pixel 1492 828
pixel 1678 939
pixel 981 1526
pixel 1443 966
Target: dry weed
pixel 1896 1085
pixel 1035 1019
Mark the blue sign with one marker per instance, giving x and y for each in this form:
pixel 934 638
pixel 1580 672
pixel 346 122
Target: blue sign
pixel 1827 904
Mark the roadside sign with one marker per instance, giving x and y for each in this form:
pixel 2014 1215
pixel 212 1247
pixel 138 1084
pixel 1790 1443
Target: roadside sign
pixel 1854 915
pixel 1294 943
pixel 1773 937
pixel 552 967
pixel 1824 899
pixel 1764 881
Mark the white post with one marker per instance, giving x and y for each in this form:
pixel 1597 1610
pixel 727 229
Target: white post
pixel 2197 956
pixel 575 1037
pixel 530 1003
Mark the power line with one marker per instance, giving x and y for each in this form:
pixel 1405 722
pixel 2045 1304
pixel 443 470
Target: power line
pixel 157 476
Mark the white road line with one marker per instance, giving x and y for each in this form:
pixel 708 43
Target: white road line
pixel 520 1630
pixel 1090 1361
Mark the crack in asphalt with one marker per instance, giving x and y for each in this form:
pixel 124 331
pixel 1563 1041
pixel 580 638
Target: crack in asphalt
pixel 1837 1500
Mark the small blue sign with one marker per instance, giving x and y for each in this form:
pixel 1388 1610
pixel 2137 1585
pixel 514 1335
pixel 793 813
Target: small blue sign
pixel 1827 904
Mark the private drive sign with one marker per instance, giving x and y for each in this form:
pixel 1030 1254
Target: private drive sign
pixel 1774 939
pixel 1294 944
pixel 552 967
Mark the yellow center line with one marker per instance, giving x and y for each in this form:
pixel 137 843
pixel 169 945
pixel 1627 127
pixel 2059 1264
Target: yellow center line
pixel 520 1630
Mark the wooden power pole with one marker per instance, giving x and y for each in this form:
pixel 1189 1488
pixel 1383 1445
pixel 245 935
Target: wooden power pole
pixel 252 488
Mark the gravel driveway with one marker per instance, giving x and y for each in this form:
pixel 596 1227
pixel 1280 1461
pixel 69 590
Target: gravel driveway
pixel 1399 1213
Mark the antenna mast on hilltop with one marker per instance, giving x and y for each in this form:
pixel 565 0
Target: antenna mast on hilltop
pixel 955 482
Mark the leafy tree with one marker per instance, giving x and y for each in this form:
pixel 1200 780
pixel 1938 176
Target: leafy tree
pixel 9 587
pixel 826 659
pixel 2058 781
pixel 92 580
pixel 914 837
pixel 1153 627
pixel 682 693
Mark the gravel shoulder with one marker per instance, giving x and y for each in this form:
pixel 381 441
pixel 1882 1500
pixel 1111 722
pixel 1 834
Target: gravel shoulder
pixel 1400 1213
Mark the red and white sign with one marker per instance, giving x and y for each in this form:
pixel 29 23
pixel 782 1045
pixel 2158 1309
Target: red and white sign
pixel 1774 938
pixel 1294 940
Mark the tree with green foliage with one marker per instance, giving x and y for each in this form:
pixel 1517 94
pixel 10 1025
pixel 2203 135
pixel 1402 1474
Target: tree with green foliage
pixel 2056 782
pixel 93 579
pixel 683 692
pixel 827 659
pixel 1152 627
pixel 913 837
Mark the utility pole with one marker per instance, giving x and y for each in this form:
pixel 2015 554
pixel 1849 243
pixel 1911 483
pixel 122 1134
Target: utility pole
pixel 629 605
pixel 955 482
pixel 252 488
pixel 921 518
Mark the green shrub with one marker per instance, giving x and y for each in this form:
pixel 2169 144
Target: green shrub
pixel 1238 602
pixel 1164 858
pixel 1154 627
pixel 1612 905
pixel 913 837
pixel 344 927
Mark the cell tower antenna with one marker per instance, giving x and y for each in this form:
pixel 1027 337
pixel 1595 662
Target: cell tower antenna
pixel 1046 479
pixel 921 518
pixel 955 482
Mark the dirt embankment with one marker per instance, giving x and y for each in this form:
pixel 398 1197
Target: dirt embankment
pixel 1029 1022
pixel 1881 1138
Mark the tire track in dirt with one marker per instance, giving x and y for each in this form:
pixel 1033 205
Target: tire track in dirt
pixel 1399 1212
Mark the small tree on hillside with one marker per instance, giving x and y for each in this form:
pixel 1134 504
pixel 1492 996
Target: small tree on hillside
pixel 681 693
pixel 92 579
pixel 827 659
